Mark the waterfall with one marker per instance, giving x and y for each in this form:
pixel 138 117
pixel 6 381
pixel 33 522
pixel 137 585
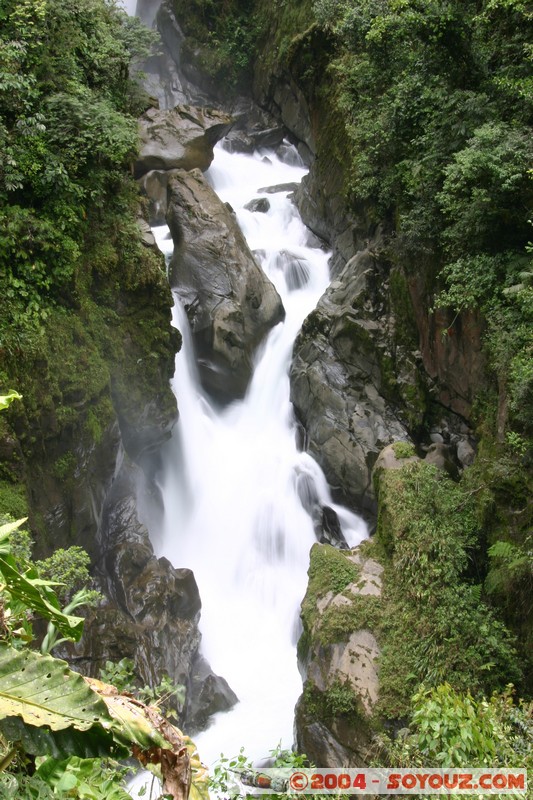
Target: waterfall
pixel 129 6
pixel 237 490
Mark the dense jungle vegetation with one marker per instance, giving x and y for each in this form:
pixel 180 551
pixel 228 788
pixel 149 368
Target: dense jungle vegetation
pixel 70 252
pixel 74 273
pixel 68 132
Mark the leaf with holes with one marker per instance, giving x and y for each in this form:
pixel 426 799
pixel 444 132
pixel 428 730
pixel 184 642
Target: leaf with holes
pixel 42 693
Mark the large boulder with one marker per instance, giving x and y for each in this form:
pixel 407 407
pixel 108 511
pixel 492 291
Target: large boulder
pixel 338 656
pixel 342 385
pixel 230 302
pixel 182 137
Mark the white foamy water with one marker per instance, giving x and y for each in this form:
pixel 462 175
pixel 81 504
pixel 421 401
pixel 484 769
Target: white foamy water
pixel 234 480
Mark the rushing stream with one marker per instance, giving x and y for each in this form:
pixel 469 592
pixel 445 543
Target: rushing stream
pixel 234 480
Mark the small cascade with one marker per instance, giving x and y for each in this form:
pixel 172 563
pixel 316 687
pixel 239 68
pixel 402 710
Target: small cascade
pixel 241 500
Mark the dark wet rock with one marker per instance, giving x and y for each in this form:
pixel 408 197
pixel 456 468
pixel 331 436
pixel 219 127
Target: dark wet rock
pixel 152 610
pixel 290 155
pixel 163 602
pixel 238 142
pixel 180 138
pixel 153 185
pixel 146 232
pixel 280 187
pixel 230 302
pixel 209 694
pixel 439 455
pixel 270 138
pixel 259 205
pixel 297 270
pixel 341 377
pixel 281 94
pixel 331 529
pixel 465 452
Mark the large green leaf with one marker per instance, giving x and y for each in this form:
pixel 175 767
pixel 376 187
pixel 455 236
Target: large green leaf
pixel 92 743
pixel 35 593
pixel 55 711
pixel 43 691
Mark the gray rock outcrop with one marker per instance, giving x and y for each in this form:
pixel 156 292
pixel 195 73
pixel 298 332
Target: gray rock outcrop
pixel 340 668
pixel 152 610
pixel 179 138
pixel 340 379
pixel 229 301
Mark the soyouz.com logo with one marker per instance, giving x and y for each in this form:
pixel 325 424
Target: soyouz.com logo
pixel 389 781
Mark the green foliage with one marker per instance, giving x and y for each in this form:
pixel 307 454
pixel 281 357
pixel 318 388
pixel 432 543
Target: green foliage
pixel 434 626
pixel 511 569
pixel 86 779
pixel 121 674
pixel 67 135
pixel 222 39
pixel 25 787
pixel 83 597
pixel 451 729
pixel 224 780
pixel 330 571
pixel 7 399
pixel 24 589
pixel 161 695
pixel 338 622
pixel 486 193
pixel 13 501
pixel 340 699
pixel 510 347
pixel 403 449
pixel 70 568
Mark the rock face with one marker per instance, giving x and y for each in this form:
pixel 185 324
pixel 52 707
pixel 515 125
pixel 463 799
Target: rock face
pixel 229 301
pixel 152 611
pixel 339 656
pixel 182 137
pixel 340 377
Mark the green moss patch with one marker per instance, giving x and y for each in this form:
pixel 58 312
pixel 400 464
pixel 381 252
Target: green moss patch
pixel 329 571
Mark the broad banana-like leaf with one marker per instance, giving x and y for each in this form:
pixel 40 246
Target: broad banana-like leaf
pixel 42 701
pixel 43 691
pixel 50 708
pixel 36 594
pixel 92 743
pixel 200 773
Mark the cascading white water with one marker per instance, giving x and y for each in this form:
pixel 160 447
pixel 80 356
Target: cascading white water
pixel 235 478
